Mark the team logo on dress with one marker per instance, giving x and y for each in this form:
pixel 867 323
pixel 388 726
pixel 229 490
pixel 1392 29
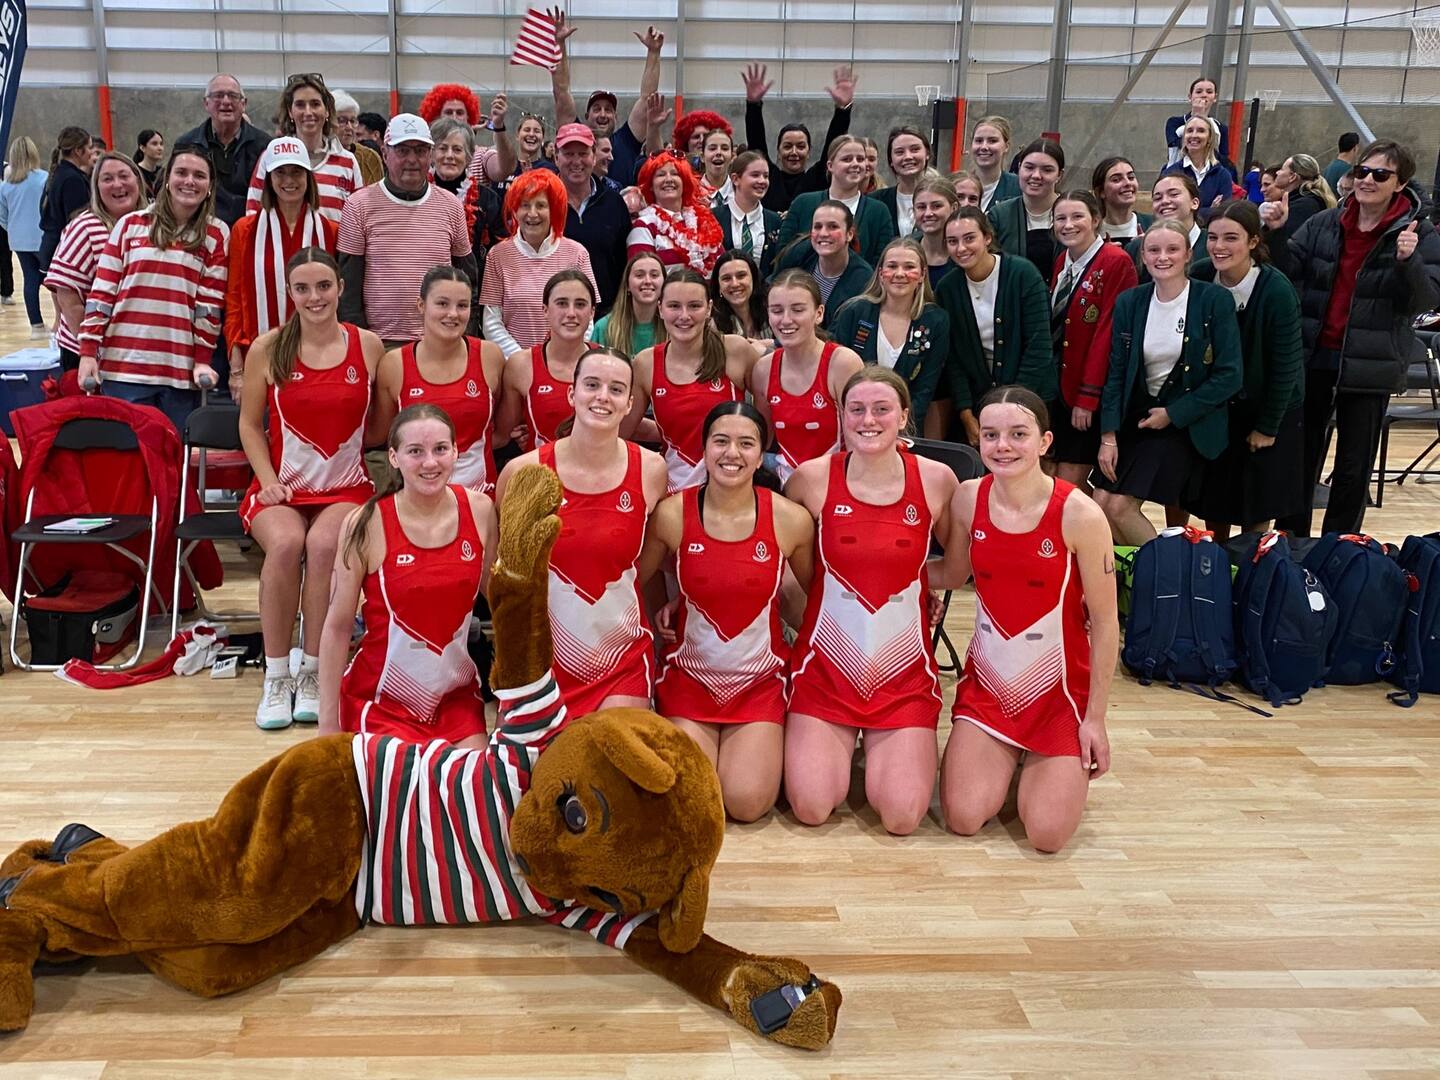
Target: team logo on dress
pixel 467 552
pixel 843 510
pixel 624 505
pixel 819 400
pixel 544 388
pixel 471 390
pixel 660 391
pixel 912 516
pixel 978 534
pixel 417 391
pixel 715 384
pixel 762 553
pixel 351 375
pixel 1047 548
pixel 695 549
pixel 404 559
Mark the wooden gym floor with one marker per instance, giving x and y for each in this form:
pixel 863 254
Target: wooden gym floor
pixel 1246 897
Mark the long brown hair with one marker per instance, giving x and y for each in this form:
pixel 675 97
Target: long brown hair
pixel 392 481
pixel 712 342
pixel 165 230
pixel 284 124
pixel 620 325
pixel 287 341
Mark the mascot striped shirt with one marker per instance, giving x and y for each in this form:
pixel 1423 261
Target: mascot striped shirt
pixel 438 819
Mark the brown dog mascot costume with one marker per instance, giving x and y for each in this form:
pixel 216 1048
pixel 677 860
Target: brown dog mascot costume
pixel 621 814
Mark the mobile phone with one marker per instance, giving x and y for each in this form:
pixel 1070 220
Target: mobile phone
pixel 772 1010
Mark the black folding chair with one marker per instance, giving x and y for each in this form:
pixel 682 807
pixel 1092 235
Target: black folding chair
pixel 210 427
pixel 1423 410
pixel 963 460
pixel 82 434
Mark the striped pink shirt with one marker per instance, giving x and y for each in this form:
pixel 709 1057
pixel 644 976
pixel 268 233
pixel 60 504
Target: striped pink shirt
pixel 484 165
pixel 73 265
pixel 401 241
pixel 154 312
pixel 515 278
pixel 337 176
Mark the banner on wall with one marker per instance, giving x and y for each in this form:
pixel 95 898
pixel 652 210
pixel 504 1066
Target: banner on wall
pixel 12 59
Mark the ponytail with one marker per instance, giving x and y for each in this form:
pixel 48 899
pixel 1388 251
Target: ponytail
pixel 392 481
pixel 287 340
pixel 712 341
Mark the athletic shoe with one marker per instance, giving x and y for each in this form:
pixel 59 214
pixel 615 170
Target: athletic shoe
pixel 276 704
pixel 8 301
pixel 307 698
pixel 39 333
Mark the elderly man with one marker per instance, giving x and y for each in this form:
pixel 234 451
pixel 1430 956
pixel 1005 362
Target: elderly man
pixel 392 233
pixel 235 146
pixel 347 128
pixel 597 216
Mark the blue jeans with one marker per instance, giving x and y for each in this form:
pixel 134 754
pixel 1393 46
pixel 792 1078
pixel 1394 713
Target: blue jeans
pixel 30 267
pixel 175 404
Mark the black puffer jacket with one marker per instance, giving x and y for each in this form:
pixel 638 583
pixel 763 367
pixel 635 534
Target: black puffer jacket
pixel 1388 294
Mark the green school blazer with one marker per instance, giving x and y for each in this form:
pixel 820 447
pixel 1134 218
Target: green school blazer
pixel 874 227
pixel 923 359
pixel 1024 353
pixel 1210 362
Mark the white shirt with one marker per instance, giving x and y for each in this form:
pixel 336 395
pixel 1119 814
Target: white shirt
pixel 904 213
pixel 1242 292
pixel 1035 222
pixel 1164 337
pixel 1127 231
pixel 1075 268
pixel 885 353
pixel 756 218
pixel 987 194
pixel 1195 233
pixel 982 298
pixel 853 204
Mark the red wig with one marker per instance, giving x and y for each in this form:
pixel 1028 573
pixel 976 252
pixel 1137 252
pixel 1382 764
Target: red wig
pixel 700 118
pixel 527 186
pixel 689 186
pixel 439 94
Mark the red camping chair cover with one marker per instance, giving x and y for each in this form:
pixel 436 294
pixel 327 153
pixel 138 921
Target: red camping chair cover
pixel 12 513
pixel 107 481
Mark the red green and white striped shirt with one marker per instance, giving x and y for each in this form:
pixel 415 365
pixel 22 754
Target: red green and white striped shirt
pixel 438 818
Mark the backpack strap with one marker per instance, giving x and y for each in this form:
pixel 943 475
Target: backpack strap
pixel 1162 637
pixel 1206 614
pixel 1252 605
pixel 1427 564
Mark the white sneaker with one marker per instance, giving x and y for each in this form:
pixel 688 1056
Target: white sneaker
pixel 276 704
pixel 307 698
pixel 39 333
pixel 8 301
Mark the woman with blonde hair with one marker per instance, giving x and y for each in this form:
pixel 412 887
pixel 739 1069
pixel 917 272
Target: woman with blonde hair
pixel 1300 184
pixel 935 200
pixel 20 195
pixel 1200 160
pixel 117 188
pixel 634 323
pixel 307 111
pixel 990 147
pixel 896 323
pixel 969 191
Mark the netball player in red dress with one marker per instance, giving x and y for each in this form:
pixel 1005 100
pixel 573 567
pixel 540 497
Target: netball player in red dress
pixel 313 375
pixel 1037 675
pixel 604 651
pixel 723 676
pixel 687 375
pixel 538 380
pixel 797 386
pixel 446 368
pixel 420 555
pixel 863 661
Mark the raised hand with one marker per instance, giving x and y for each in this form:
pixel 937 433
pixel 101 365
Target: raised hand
pixel 1275 214
pixel 1407 241
pixel 499 109
pixel 652 39
pixel 563 29
pixel 842 88
pixel 756 86
pixel 657 114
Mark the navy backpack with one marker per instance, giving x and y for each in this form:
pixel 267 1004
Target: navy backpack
pixel 1417 670
pixel 1370 591
pixel 1179 627
pixel 1284 623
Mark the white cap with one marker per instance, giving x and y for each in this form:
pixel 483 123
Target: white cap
pixel 407 127
pixel 286 150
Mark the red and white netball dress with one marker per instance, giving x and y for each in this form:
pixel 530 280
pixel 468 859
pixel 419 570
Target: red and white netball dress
pixel 728 661
pixel 469 404
pixel 680 411
pixel 412 676
pixel 602 640
pixel 863 657
pixel 807 425
pixel 1027 672
pixel 547 403
pixel 317 432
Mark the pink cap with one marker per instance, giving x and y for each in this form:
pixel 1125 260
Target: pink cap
pixel 569 133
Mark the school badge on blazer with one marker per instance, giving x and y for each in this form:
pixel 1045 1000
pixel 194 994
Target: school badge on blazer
pixel 1092 314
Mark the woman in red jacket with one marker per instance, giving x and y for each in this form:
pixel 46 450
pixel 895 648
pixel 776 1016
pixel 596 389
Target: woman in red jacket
pixel 1089 274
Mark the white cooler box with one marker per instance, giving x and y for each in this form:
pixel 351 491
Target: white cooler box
pixel 21 376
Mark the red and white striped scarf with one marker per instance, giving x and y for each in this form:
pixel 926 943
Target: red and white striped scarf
pixel 268 265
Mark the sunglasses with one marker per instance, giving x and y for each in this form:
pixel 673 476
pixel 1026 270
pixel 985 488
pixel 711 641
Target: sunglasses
pixel 304 77
pixel 1360 172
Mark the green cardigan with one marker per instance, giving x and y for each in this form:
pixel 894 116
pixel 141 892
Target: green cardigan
pixel 852 282
pixel 874 227
pixel 1009 222
pixel 1271 348
pixel 1006 187
pixel 923 359
pixel 1210 364
pixel 1024 353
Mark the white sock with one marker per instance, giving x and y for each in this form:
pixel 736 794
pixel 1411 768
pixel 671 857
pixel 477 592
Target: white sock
pixel 277 667
pixel 309 665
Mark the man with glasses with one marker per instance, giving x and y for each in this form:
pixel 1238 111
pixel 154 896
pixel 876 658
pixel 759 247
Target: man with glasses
pixel 392 233
pixel 1363 271
pixel 235 146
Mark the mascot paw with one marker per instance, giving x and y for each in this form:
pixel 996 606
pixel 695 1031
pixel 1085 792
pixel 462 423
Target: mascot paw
pixel 529 526
pixel 810 1026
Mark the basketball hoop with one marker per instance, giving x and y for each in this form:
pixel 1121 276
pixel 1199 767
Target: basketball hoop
pixel 1269 99
pixel 1426 31
pixel 926 95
